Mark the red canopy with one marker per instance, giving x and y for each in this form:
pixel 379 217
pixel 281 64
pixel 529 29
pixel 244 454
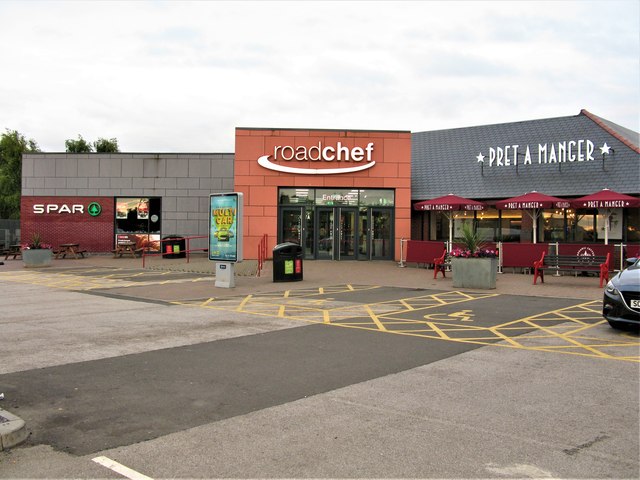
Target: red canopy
pixel 449 202
pixel 606 199
pixel 532 200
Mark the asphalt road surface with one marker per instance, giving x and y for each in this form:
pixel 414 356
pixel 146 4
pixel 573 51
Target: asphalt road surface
pixel 299 388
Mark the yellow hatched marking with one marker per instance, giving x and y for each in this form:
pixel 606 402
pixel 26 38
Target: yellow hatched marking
pixel 375 319
pixel 244 301
pixel 441 333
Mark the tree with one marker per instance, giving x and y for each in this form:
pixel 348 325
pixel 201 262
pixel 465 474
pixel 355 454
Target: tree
pixel 103 145
pixel 12 145
pixel 78 146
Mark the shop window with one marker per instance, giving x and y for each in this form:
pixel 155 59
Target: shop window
pixel 553 222
pixel 296 196
pixel 584 227
pixel 511 225
pixel 488 224
pixel 633 225
pixel 138 219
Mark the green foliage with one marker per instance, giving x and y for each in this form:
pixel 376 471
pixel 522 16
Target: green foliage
pixel 103 145
pixel 470 239
pixel 78 146
pixel 12 145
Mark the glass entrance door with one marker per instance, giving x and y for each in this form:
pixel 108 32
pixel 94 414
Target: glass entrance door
pixel 296 225
pixel 337 239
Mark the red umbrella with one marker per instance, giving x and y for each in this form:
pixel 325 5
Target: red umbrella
pixel 535 202
pixel 532 200
pixel 448 203
pixel 606 199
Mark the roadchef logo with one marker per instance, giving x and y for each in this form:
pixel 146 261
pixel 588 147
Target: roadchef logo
pixel 318 153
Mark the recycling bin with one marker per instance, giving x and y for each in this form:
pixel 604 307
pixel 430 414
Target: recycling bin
pixel 173 246
pixel 287 262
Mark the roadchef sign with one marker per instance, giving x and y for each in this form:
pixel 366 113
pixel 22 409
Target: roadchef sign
pixel 284 155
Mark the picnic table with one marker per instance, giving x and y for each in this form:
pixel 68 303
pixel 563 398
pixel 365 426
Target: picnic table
pixel 71 249
pixel 123 248
pixel 13 250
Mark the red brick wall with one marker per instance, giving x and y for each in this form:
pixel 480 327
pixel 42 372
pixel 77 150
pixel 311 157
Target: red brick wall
pixel 94 234
pixel 392 154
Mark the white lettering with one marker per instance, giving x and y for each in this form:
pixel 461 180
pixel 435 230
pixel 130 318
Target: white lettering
pixel 342 149
pixel 580 154
pixel 357 154
pixel 317 149
pixel 572 157
pixel 562 152
pixel 542 150
pixel 329 154
pixel 527 156
pixel 284 155
pixel 315 153
pixel 40 208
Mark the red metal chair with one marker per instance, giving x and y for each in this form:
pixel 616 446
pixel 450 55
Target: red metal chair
pixel 439 264
pixel 604 270
pixel 538 269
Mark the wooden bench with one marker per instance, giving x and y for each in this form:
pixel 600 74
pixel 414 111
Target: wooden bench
pixel 13 250
pixel 573 263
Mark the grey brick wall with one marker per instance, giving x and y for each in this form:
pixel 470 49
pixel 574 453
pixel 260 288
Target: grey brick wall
pixel 183 181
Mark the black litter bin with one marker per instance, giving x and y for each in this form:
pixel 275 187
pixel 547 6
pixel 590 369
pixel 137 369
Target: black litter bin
pixel 287 262
pixel 173 246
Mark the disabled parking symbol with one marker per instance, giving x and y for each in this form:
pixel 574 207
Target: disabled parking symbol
pixel 461 316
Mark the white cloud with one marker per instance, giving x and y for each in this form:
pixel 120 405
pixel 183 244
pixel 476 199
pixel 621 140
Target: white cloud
pixel 180 76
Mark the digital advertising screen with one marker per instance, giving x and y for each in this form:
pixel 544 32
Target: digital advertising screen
pixel 225 227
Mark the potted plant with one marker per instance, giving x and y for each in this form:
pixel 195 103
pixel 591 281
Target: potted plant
pixel 473 265
pixel 36 253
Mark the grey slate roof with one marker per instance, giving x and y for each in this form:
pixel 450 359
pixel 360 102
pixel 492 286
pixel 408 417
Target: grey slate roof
pixel 445 161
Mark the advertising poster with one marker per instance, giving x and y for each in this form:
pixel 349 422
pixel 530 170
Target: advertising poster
pixel 225 227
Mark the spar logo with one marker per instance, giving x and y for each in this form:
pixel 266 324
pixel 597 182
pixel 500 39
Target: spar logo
pixel 285 155
pixel 94 208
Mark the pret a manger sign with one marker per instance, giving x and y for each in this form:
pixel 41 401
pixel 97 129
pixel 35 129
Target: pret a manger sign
pixel 287 158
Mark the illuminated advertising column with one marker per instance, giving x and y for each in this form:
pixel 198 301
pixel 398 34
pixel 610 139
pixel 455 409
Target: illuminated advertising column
pixel 225 235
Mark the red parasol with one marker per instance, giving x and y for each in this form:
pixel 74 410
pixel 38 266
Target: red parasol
pixel 606 199
pixel 535 202
pixel 449 203
pixel 532 200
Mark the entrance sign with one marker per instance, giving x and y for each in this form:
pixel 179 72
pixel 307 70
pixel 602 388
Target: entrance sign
pixel 225 227
pixel 318 153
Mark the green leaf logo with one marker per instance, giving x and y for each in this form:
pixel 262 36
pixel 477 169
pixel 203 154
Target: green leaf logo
pixel 94 209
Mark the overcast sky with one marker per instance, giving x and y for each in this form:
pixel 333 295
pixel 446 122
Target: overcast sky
pixel 180 76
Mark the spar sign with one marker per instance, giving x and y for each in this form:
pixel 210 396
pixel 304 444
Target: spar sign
pixel 225 227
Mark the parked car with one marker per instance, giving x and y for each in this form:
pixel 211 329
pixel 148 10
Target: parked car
pixel 621 302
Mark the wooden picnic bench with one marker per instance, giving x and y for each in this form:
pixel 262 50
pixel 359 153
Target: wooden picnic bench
pixel 12 250
pixel 573 263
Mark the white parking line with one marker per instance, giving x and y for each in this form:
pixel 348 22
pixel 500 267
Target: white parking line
pixel 119 468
